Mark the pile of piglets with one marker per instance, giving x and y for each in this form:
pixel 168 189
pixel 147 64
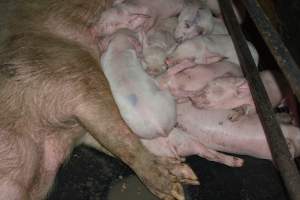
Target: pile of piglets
pixel 176 79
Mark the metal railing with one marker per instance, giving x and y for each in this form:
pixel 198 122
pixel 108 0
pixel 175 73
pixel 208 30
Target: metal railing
pixel 278 146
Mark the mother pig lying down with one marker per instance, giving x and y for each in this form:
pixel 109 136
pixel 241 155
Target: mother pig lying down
pixel 212 128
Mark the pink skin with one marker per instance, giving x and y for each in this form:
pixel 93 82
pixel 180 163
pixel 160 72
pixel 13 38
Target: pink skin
pixel 186 27
pixel 223 93
pixel 156 45
pixel 149 111
pixel 208 49
pixel 181 144
pixel 233 92
pixel 190 81
pixel 136 15
pixel 220 134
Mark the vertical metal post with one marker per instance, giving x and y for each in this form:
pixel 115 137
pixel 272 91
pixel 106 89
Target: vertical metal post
pixel 279 149
pixel 272 38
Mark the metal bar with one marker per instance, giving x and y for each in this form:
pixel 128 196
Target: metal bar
pixel 272 38
pixel 279 149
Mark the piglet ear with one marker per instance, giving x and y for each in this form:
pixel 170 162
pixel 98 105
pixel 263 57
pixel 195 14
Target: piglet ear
pixel 212 57
pixel 243 88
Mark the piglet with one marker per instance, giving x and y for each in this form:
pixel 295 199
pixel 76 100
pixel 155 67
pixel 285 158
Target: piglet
pixel 208 49
pixel 135 15
pixel 221 134
pixel 197 19
pixel 189 82
pixel 181 144
pixel 234 93
pixel 157 44
pixel 147 110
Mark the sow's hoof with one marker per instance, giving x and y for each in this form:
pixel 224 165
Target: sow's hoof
pixel 163 176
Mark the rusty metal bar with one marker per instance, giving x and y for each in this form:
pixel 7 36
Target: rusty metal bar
pixel 279 149
pixel 273 40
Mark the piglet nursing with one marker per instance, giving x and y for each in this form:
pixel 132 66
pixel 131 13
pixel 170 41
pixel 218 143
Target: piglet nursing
pixel 191 80
pixel 208 49
pixel 219 133
pixel 181 144
pixel 148 111
pixel 233 92
pixel 193 59
pixel 136 15
pixel 157 44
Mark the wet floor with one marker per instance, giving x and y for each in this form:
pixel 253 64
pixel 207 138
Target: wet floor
pixel 91 175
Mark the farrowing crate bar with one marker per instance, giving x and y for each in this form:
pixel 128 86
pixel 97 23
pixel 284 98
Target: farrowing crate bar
pixel 278 146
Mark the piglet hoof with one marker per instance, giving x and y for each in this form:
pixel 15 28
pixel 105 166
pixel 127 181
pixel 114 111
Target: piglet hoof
pixel 163 176
pixel 215 156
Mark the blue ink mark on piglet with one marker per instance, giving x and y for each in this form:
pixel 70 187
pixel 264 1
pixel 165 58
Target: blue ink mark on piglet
pixel 133 99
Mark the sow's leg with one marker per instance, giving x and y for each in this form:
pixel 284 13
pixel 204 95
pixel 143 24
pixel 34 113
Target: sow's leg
pixel 60 87
pixel 18 161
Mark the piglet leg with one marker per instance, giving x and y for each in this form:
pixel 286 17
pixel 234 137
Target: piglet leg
pixel 164 79
pixel 186 144
pixel 236 113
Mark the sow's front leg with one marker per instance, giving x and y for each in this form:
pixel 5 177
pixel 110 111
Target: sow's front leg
pixel 100 116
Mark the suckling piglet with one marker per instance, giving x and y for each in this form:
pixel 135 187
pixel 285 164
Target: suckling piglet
pixel 181 144
pixel 147 110
pixel 136 15
pixel 157 43
pixel 208 49
pixel 189 82
pixel 234 93
pixel 213 129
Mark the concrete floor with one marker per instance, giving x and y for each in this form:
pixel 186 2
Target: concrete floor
pixel 90 175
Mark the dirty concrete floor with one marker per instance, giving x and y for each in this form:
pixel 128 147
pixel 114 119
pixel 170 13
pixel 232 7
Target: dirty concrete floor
pixel 90 175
